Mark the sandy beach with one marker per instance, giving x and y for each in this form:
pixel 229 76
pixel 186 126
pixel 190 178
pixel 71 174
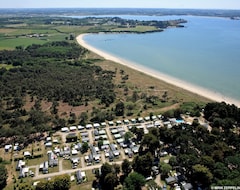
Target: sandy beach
pixel 161 76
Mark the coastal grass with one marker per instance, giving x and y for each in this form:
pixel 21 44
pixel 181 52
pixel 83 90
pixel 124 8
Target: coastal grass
pixel 151 86
pixel 139 29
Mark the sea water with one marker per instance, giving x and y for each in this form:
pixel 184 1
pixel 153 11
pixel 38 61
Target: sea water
pixel 206 52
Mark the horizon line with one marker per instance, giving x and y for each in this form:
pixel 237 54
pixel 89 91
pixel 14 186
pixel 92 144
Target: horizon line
pixel 230 9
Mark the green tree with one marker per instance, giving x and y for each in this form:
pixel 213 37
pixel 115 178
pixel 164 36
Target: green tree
pixel 83 118
pixel 126 167
pixel 173 161
pixel 135 96
pixel 62 182
pixel 116 168
pixel 84 147
pixel 201 175
pixel 134 181
pixel 119 110
pixel 106 168
pixel 165 169
pixel 208 162
pixel 110 181
pixel 127 136
pixel 143 164
pixel 3 176
pixel 150 142
pixel 220 171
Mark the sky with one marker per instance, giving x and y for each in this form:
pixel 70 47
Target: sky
pixel 197 4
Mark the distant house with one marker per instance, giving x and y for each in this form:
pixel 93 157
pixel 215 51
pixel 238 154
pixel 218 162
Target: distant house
pixel 55 141
pixel 44 167
pixel 154 117
pixel 118 122
pixel 71 137
pixel 126 121
pixel 78 146
pixel 117 136
pixel 80 176
pixel 73 128
pixel 147 118
pixel 48 144
pixel 20 164
pixel 80 127
pixel 27 154
pixel 95 132
pixel 133 121
pixel 114 131
pixel 121 129
pixel 48 139
pixel 7 147
pixel 89 126
pixel 65 152
pixel 52 159
pixel 171 180
pixel 110 123
pixel 157 123
pixel 95 153
pixel 84 134
pixel 135 149
pixel 114 150
pixel 187 186
pixel 23 172
pixel 110 156
pixel 75 160
pixel 103 124
pixel 140 120
pixel 102 132
pixel 96 125
pixel 74 152
pixel 64 129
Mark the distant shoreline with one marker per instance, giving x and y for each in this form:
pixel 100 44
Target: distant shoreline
pixel 214 96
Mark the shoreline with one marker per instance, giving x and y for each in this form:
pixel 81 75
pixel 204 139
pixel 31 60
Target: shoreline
pixel 214 96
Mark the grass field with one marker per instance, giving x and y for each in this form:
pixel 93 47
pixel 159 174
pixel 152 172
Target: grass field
pixel 136 29
pixel 6 66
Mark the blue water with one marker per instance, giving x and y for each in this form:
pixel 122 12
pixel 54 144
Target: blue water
pixel 205 53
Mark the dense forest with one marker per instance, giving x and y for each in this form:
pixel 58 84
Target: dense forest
pixel 52 72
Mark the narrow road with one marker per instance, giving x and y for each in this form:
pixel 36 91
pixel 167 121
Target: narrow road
pixel 158 180
pixel 90 135
pixel 109 134
pixel 60 161
pixel 82 162
pixel 103 157
pixel 71 171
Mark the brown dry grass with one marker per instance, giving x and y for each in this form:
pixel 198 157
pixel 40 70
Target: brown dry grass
pixel 6 30
pixel 137 81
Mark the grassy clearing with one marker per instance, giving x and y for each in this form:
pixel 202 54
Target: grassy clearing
pixel 13 42
pixel 6 66
pixel 66 164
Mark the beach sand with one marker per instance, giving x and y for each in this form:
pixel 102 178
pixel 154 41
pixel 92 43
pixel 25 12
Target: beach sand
pixel 214 96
